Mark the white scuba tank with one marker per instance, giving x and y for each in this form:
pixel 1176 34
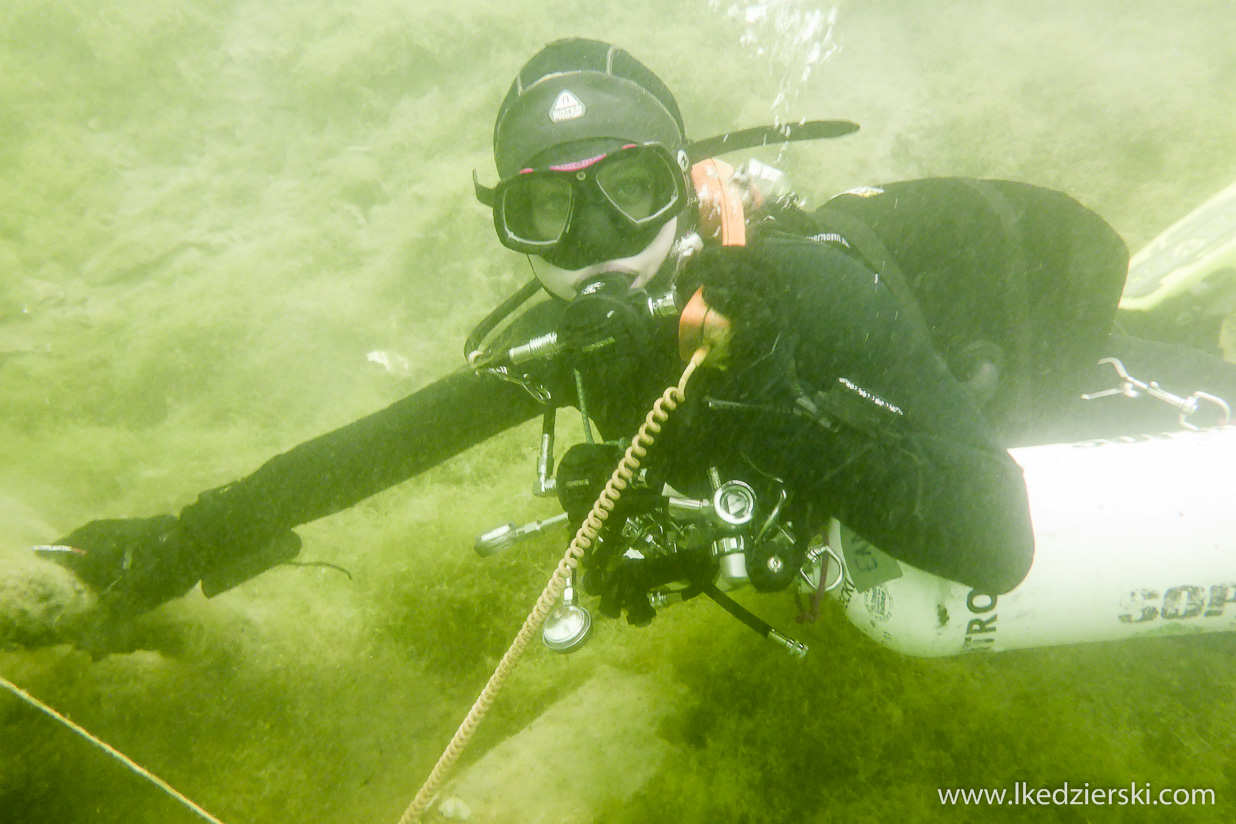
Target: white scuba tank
pixel 1134 537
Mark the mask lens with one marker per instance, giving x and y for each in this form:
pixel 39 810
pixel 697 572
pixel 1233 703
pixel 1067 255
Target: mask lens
pixel 602 206
pixel 638 183
pixel 536 208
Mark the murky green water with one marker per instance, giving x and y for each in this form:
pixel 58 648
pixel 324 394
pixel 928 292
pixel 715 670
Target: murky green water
pixel 211 211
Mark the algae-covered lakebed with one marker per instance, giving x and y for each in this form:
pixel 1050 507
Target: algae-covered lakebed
pixel 213 211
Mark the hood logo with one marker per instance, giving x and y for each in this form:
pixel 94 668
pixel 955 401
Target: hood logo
pixel 566 107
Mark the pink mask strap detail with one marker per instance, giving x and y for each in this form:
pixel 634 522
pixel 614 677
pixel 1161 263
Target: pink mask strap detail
pixel 578 164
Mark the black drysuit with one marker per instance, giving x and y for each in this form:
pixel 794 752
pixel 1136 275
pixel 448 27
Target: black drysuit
pixel 862 322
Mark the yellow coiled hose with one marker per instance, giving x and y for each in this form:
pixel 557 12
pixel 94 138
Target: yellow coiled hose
pixel 583 539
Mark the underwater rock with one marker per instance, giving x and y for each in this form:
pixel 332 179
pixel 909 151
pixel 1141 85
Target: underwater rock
pixel 589 751
pixel 40 602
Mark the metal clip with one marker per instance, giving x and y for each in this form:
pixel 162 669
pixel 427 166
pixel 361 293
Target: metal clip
pixel 1131 387
pixel 829 560
pixel 538 392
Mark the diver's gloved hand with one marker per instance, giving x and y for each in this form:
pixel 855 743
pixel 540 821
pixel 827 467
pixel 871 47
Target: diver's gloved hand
pixel 739 289
pixel 624 587
pixel 136 564
pixel 758 348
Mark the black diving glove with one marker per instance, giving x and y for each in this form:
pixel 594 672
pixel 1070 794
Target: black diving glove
pixel 736 286
pixel 136 564
pixel 625 585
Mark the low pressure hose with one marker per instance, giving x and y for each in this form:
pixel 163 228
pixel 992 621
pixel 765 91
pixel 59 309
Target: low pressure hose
pixel 584 538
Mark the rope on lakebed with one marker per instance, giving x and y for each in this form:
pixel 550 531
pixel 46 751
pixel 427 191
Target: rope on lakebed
pixel 110 750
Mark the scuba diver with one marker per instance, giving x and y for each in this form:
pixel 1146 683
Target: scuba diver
pixel 875 361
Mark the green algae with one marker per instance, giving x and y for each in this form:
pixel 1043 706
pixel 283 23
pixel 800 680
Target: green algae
pixel 211 211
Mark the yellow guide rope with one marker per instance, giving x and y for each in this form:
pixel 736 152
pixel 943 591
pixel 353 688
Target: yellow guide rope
pixel 109 749
pixel 583 539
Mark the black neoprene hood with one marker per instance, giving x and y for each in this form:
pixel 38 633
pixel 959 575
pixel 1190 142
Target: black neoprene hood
pixel 582 90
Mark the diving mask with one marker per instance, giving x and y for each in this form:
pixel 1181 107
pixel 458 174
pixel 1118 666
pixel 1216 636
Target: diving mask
pixel 599 208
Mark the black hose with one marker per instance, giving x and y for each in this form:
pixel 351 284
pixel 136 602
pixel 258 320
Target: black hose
pixel 738 611
pixel 503 311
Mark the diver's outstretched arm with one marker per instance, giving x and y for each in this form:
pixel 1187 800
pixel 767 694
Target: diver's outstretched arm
pixel 240 529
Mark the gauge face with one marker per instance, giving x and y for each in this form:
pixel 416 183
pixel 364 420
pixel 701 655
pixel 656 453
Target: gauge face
pixel 566 628
pixel 734 503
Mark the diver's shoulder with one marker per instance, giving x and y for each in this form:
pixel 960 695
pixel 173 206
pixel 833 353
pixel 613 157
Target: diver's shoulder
pixel 824 249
